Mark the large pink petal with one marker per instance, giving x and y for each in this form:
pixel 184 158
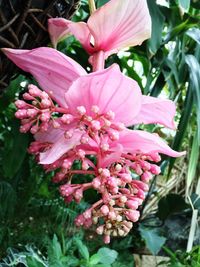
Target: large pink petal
pixel 143 142
pixel 53 70
pixel 155 110
pixel 58 29
pixel 119 24
pixel 109 90
pixel 62 146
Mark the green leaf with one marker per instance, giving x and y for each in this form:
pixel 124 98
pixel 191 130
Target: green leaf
pixel 154 241
pixel 33 262
pixel 16 151
pixel 7 199
pixel 182 126
pixel 194 33
pixel 194 68
pixel 157 26
pixel 170 204
pixel 82 249
pixel 107 256
pixel 185 4
pixel 94 259
pixel 101 2
pixel 55 254
pixel 193 162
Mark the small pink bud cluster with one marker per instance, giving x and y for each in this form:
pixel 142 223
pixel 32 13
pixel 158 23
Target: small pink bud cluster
pixel 35 111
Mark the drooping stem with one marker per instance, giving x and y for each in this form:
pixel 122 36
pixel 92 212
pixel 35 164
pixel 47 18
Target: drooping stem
pixel 92 6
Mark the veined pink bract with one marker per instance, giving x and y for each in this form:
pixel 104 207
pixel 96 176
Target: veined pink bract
pixel 116 25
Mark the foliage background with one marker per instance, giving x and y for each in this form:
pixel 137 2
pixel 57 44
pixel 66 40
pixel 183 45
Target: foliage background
pixel 34 221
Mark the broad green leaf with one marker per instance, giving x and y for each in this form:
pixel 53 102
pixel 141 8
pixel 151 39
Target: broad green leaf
pixel 157 27
pixel 185 4
pixel 154 241
pixel 170 204
pixel 107 256
pixel 193 162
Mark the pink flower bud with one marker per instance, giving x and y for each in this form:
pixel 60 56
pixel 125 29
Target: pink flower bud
pixel 114 135
pixel 45 116
pixel 67 118
pixel 21 114
pixel 96 183
pixel 132 204
pixel 34 129
pixel 84 139
pixel 88 223
pixel 112 215
pixel 44 127
pixel 100 230
pixel 25 128
pixel 31 112
pixel 67 164
pixel 34 90
pixel 106 239
pixel 27 96
pixel 155 169
pixel 78 194
pixel 105 210
pixel 141 185
pixel 20 104
pixel 81 110
pixel 81 153
pixel 87 214
pixel 126 177
pixel 66 190
pixel 110 115
pixel 79 221
pixel 132 215
pixel 95 125
pixel 146 176
pixel 45 103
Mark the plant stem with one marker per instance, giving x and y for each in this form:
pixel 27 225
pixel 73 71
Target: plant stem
pixel 92 6
pixel 98 61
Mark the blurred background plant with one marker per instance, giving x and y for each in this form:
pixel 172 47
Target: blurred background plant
pixel 36 227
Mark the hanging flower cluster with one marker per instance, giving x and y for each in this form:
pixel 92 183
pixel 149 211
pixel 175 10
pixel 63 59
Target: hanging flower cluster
pixel 83 118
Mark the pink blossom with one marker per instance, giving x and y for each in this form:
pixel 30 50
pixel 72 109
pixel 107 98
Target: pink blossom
pixel 83 117
pixel 116 25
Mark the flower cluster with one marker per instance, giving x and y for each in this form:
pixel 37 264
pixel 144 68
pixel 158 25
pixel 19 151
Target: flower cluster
pixel 84 118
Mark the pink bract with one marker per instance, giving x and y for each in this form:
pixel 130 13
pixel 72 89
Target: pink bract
pixel 116 25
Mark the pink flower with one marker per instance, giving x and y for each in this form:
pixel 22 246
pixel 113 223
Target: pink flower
pixel 101 114
pixel 116 25
pixel 82 117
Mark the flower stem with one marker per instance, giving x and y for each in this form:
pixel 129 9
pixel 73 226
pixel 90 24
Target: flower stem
pixel 98 61
pixel 92 6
